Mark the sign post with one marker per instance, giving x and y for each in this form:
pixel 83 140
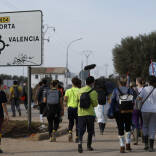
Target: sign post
pixel 21 42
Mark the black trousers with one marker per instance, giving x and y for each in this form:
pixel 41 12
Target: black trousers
pixel 53 117
pixel 15 103
pixel 124 122
pixel 72 117
pixel 86 122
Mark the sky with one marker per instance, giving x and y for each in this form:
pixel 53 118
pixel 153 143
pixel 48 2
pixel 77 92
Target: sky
pixel 100 23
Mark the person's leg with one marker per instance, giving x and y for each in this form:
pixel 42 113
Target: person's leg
pixel 26 104
pixel 71 123
pixel 17 104
pixel 146 118
pixel 120 125
pixel 152 131
pixel 42 107
pixel 50 119
pixel 76 123
pixel 1 122
pixel 128 125
pixel 13 107
pixel 81 131
pixel 90 130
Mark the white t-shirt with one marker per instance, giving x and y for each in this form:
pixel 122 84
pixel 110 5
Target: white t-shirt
pixel 150 103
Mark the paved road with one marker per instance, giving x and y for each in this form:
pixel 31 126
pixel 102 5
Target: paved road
pixel 104 145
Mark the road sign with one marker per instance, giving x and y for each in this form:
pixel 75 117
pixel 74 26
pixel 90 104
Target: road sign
pixel 152 69
pixel 21 38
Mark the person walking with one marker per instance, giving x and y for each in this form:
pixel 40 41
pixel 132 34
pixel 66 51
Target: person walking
pixel 43 87
pixel 71 100
pixel 136 116
pixel 148 109
pixel 55 108
pixel 15 93
pixel 100 110
pixel 3 109
pixel 24 95
pixel 122 103
pixel 86 115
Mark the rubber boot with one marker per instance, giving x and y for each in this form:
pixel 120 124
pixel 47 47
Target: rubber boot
pixel 128 141
pixel 146 143
pixel 89 142
pixel 122 144
pixel 70 136
pixel 151 143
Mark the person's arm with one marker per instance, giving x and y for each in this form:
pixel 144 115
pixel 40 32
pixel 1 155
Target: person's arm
pixel 6 111
pixel 4 100
pixel 66 98
pixel 94 99
pixel 62 106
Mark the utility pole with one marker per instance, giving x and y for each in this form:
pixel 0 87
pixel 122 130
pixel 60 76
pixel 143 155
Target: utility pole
pixel 87 54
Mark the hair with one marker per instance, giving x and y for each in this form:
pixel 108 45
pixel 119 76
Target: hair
pixel 122 80
pixel 152 81
pixel 44 81
pixel 90 80
pixel 132 84
pixel 79 83
pixel 40 83
pixel 75 81
pixel 15 82
pixel 140 80
pixel 54 83
pixel 1 82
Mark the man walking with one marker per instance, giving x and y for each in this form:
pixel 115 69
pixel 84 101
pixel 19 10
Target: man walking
pixel 15 92
pixel 86 115
pixel 55 109
pixel 71 99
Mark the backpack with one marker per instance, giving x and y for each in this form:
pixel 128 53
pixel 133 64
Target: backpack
pixel 125 102
pixel 16 92
pixel 53 97
pixel 101 97
pixel 85 100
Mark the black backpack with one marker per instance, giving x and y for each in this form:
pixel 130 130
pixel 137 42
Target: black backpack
pixel 85 100
pixel 16 92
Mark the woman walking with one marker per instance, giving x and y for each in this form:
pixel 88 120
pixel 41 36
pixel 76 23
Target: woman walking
pixel 122 103
pixel 148 109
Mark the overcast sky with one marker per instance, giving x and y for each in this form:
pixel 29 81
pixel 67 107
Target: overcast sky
pixel 101 23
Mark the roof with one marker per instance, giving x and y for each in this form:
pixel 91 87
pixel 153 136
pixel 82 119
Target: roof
pixel 48 70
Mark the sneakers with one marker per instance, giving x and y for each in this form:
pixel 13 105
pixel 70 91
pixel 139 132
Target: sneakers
pixel 90 148
pixel 80 149
pixel 53 136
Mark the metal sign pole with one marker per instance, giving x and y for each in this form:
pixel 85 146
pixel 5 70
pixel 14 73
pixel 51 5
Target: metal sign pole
pixel 29 97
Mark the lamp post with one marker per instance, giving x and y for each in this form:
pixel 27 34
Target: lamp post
pixel 67 58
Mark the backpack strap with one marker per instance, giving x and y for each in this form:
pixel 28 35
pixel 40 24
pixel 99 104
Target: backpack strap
pixel 90 91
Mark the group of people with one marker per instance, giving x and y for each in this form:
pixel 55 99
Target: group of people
pixel 133 108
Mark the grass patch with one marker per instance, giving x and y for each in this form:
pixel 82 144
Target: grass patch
pixel 18 129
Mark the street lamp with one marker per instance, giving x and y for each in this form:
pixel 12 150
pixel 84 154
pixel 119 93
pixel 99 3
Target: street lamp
pixel 67 58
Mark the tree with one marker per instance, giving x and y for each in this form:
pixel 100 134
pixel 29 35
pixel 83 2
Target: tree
pixel 134 55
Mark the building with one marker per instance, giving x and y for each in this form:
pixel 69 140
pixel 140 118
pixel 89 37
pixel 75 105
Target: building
pixel 38 73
